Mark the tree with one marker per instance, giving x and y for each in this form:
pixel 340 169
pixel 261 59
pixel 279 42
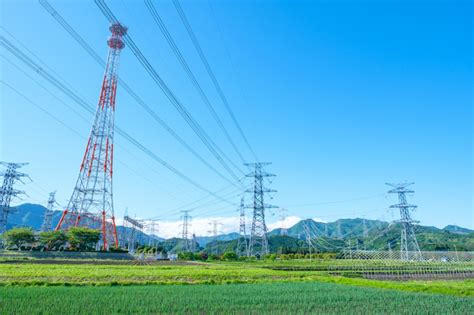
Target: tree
pixel 82 238
pixel 229 256
pixel 53 239
pixel 19 237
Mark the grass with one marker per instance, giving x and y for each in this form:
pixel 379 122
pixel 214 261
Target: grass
pixel 51 274
pixel 262 298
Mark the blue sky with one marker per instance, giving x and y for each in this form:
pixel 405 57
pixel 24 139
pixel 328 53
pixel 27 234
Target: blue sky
pixel 342 96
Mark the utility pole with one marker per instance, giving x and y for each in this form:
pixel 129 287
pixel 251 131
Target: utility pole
pixel 242 244
pixel 48 215
pixel 409 249
pixel 7 192
pixel 91 203
pixel 283 216
pixel 258 246
pixel 185 232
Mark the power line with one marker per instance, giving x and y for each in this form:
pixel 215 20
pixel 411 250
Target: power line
pixel 335 201
pixel 161 25
pixel 67 126
pixel 67 91
pixel 198 130
pixel 201 54
pixel 78 38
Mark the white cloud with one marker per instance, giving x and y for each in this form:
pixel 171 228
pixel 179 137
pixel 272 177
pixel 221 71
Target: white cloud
pixel 200 227
pixel 287 223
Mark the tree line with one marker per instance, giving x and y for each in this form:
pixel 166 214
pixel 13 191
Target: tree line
pixel 75 239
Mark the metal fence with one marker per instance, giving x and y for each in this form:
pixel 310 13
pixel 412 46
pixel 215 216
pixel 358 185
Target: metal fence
pixel 389 265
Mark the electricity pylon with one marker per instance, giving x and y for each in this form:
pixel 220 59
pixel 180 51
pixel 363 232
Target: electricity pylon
pixel 7 192
pixel 91 203
pixel 214 232
pixel 193 243
pixel 258 245
pixel 132 229
pixel 409 249
pixel 283 215
pixel 365 232
pixel 152 237
pixel 242 244
pixel 309 239
pixel 185 232
pixel 48 214
pixel 339 230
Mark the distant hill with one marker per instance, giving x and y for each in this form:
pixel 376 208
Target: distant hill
pixel 204 240
pixel 29 214
pixel 457 229
pixel 32 215
pixel 342 228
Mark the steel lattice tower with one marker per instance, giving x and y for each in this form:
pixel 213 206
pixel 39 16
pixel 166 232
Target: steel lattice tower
pixel 7 192
pixel 152 240
pixel 132 227
pixel 309 239
pixel 339 231
pixel 242 244
pixel 193 243
pixel 48 214
pixel 365 232
pixel 283 216
pixel 185 232
pixel 258 245
pixel 409 249
pixel 91 203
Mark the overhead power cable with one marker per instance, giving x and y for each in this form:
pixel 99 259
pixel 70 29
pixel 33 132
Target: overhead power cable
pixel 71 108
pixel 161 25
pixel 63 88
pixel 198 130
pixel 176 210
pixel 199 50
pixel 78 38
pixel 48 113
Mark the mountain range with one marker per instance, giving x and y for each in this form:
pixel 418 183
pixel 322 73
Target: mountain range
pixel 360 233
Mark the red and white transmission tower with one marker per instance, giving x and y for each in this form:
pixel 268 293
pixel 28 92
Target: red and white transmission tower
pixel 91 203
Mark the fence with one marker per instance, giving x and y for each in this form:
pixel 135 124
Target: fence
pixel 389 265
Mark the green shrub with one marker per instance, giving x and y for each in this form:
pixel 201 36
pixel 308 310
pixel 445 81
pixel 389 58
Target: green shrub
pixel 229 256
